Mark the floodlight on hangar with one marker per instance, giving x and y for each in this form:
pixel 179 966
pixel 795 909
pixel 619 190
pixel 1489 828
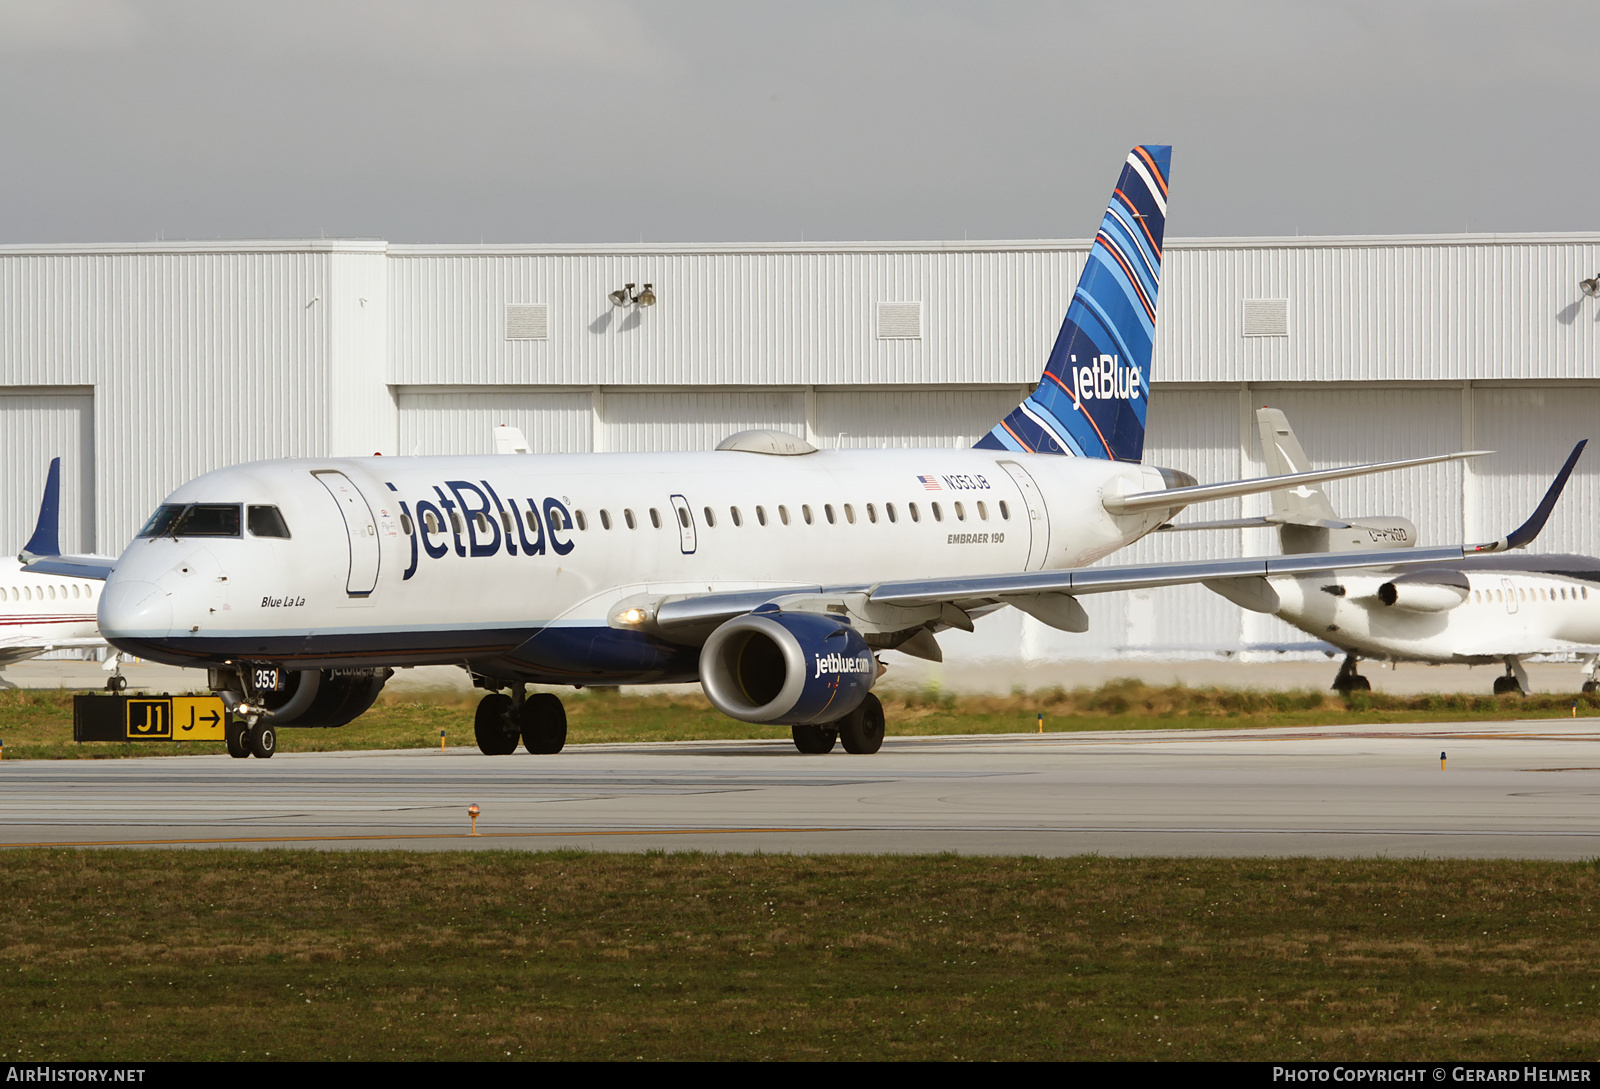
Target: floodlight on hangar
pixel 1590 287
pixel 627 296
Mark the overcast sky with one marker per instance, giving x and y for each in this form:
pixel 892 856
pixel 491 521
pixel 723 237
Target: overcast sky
pixel 612 121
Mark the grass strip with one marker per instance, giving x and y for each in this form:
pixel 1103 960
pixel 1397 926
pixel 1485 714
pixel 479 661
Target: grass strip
pixel 36 724
pixel 147 955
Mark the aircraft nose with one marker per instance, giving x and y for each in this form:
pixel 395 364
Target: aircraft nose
pixel 130 608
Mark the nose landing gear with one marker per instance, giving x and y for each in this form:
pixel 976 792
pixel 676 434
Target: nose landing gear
pixel 1348 679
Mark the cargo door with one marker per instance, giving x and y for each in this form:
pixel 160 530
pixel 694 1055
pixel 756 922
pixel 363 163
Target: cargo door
pixel 361 530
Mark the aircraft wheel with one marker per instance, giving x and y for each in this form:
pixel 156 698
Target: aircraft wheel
pixel 1352 683
pixel 496 736
pixel 1591 686
pixel 1505 685
pixel 544 724
pixel 234 733
pixel 862 729
pixel 263 740
pixel 814 739
pixel 116 683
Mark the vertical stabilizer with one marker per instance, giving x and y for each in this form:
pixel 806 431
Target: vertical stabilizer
pixel 1094 394
pixel 1307 504
pixel 46 539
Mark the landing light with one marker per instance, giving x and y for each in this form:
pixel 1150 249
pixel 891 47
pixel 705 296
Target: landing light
pixel 632 616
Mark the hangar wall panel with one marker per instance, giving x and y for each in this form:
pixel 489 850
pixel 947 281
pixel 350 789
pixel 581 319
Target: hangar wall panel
pixel 463 421
pixel 694 421
pixel 728 317
pixel 1533 429
pixel 37 425
pixel 909 417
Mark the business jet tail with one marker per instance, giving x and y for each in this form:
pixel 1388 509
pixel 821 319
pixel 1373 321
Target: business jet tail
pixel 1095 391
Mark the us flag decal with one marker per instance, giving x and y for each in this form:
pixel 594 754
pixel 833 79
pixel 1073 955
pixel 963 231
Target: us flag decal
pixel 930 483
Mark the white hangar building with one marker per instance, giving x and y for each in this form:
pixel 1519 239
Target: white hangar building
pixel 145 365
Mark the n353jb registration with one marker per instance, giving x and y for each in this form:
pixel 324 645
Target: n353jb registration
pixel 771 572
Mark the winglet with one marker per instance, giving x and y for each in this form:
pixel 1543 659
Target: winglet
pixel 46 539
pixel 1524 534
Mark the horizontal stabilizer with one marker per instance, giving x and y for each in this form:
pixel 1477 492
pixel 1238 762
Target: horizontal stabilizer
pixel 1201 493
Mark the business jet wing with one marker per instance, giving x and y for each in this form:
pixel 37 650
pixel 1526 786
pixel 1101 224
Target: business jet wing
pixel 42 554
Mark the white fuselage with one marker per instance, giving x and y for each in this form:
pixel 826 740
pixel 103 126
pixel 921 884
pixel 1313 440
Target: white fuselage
pixel 424 560
pixel 1509 611
pixel 39 613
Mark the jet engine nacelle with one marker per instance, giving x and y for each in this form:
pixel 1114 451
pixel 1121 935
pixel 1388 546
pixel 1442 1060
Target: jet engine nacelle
pixel 791 669
pixel 1354 535
pixel 1425 591
pixel 324 697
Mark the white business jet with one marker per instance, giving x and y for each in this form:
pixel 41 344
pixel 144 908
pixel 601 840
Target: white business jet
pixel 772 572
pixel 42 611
pixel 1479 610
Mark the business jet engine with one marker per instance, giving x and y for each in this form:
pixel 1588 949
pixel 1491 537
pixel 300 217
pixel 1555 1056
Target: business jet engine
pixel 1425 591
pixel 323 697
pixel 791 669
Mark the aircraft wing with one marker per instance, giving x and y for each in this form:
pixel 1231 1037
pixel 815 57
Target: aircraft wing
pixel 898 609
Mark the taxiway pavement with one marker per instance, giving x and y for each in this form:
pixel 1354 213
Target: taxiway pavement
pixel 1508 789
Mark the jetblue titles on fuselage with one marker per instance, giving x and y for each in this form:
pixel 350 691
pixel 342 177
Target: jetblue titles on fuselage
pixel 472 520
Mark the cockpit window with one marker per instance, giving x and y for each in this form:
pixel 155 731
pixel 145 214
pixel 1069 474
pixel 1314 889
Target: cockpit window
pixel 194 520
pixel 161 521
pixel 267 522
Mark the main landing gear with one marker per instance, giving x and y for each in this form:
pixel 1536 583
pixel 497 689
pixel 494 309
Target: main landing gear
pixel 1515 681
pixel 1349 680
pixel 861 731
pixel 538 720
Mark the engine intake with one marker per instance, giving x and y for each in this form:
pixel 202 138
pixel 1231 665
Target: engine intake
pixel 324 697
pixel 792 669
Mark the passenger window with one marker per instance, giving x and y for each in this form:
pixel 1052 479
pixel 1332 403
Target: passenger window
pixel 872 513
pixel 627 516
pixel 268 522
pixel 481 522
pixel 2 593
pixel 738 519
pixel 983 511
pixel 783 514
pixel 683 517
pixel 532 520
pixel 938 515
pixel 27 593
pixel 711 517
pixel 912 507
pixel 961 513
pixel 52 590
pixel 805 512
pixel 655 518
pixel 849 514
pixel 505 521
pixel 455 522
pixel 761 515
pixel 605 519
pixel 827 510
pixel 1005 511
pixel 75 591
pixel 888 508
pixel 431 522
pixel 583 520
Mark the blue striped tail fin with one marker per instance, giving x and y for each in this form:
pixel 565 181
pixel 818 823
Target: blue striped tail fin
pixel 1094 394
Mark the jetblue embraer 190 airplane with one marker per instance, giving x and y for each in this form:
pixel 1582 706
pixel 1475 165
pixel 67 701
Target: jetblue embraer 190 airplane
pixel 771 572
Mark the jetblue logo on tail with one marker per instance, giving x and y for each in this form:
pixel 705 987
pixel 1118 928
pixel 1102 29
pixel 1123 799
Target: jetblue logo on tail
pixel 1105 379
pixel 1094 393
